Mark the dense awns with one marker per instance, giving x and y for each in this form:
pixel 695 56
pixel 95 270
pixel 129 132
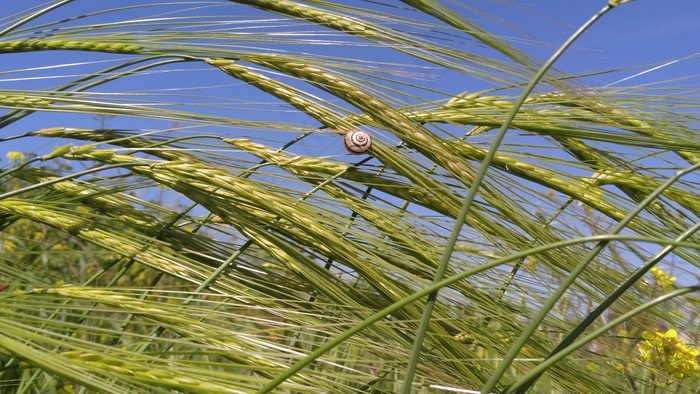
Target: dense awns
pixel 317 196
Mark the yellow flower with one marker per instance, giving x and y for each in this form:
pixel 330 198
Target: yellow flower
pixel 669 354
pixel 662 279
pixel 531 262
pixel 59 247
pixel 67 389
pixel 15 156
pixel 8 245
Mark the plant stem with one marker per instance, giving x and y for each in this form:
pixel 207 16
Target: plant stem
pixel 271 385
pixel 513 351
pixel 33 16
pixel 595 334
pixel 423 326
pixel 629 282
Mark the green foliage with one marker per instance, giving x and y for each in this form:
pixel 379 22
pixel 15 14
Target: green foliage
pixel 209 234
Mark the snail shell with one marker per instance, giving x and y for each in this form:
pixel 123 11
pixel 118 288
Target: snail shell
pixel 357 142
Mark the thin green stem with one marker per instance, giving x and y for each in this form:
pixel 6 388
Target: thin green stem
pixel 49 362
pixel 423 326
pixel 571 278
pixel 617 293
pixel 516 268
pixel 67 177
pixel 33 16
pixel 222 268
pixel 16 115
pixel 113 281
pixel 532 375
pixel 393 308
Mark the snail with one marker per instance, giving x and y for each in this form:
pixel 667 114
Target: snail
pixel 357 142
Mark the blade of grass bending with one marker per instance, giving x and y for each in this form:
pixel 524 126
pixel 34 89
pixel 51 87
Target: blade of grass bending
pixel 442 267
pixel 439 11
pixel 513 351
pixel 160 274
pixel 620 290
pixel 18 114
pixel 522 384
pixel 50 363
pixel 516 268
pixel 34 16
pixel 447 282
pixel 111 283
pixel 229 262
pixel 67 177
pixel 569 280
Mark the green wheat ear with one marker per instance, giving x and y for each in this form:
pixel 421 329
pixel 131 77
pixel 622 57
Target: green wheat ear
pixel 48 45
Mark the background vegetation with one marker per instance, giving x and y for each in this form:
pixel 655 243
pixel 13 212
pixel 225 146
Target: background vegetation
pixel 220 240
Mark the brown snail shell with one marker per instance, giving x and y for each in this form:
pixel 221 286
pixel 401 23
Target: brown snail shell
pixel 357 142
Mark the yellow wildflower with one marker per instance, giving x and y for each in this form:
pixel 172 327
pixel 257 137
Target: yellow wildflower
pixel 531 262
pixel 669 355
pixel 9 245
pixel 15 156
pixel 59 247
pixel 67 389
pixel 662 279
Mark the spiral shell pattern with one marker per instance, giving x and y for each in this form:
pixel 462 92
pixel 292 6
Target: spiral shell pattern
pixel 357 142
